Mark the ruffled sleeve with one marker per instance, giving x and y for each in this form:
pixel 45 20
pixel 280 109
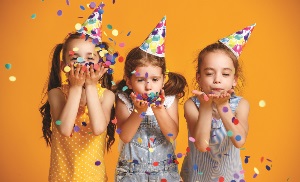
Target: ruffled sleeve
pixel 126 100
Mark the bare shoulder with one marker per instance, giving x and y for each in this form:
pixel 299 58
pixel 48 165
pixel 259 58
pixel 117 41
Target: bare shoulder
pixel 109 94
pixel 189 104
pixel 243 106
pixel 54 94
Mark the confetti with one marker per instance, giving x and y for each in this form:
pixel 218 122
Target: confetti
pixel 121 59
pixel 256 170
pixel 8 66
pixel 179 155
pixel 68 3
pixel 255 175
pixel 58 122
pixel 128 33
pixel 236 176
pixel 170 134
pixel 77 27
pixel 268 167
pixel 163 180
pixel 155 163
pixel 261 159
pixel 238 138
pixel 118 131
pixel 221 179
pixel 80 59
pixel 109 26
pixel 114 121
pixel 147 172
pixel 97 163
pixel 192 139
pixel 135 161
pixel 188 149
pixel 67 69
pixel 12 78
pixel 92 5
pixel 76 128
pixel 235 121
pixel 139 140
pixel 115 32
pixel 151 149
pixel 262 103
pixel 59 12
pixel 122 44
pixel 83 123
pixel 225 109
pixel 33 16
pixel 75 49
pixel 207 149
pixel 124 88
pixel 229 133
pixel 246 159
pixel 195 167
pixel 82 7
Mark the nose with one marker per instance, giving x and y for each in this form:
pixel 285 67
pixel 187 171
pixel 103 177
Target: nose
pixel 217 79
pixel 148 86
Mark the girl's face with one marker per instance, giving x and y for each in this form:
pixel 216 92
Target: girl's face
pixel 146 79
pixel 84 51
pixel 217 73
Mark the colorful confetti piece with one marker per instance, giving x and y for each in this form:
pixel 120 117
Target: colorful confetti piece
pixel 33 16
pixel 229 133
pixel 67 69
pixel 262 103
pixel 115 32
pixel 76 128
pixel 128 34
pixel 97 163
pixel 118 131
pixel 58 122
pixel 82 7
pixel 59 12
pixel 221 179
pixel 192 139
pixel 225 109
pixel 238 138
pixel 8 66
pixel 12 78
pixel 109 26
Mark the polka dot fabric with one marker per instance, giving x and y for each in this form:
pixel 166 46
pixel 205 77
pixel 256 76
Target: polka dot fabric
pixel 76 158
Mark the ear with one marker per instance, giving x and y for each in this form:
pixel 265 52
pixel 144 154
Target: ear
pixel 235 81
pixel 62 65
pixel 198 78
pixel 128 82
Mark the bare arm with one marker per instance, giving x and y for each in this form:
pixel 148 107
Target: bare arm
pixel 199 122
pixel 168 119
pixel 99 110
pixel 241 128
pixel 64 110
pixel 129 122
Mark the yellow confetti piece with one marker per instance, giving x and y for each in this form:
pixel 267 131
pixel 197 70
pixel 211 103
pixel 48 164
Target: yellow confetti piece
pixel 256 170
pixel 75 64
pixel 97 49
pixel 75 49
pixel 135 110
pixel 12 78
pixel 140 140
pixel 67 69
pixel 151 149
pixel 171 140
pixel 101 53
pixel 262 103
pixel 104 33
pixel 78 26
pixel 115 32
pixel 206 142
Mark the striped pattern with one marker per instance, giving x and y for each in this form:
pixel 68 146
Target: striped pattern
pixel 222 161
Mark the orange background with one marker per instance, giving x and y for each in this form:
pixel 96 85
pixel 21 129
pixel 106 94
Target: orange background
pixel 270 64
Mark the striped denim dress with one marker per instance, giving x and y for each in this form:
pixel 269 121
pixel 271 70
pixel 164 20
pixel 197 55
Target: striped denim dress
pixel 223 161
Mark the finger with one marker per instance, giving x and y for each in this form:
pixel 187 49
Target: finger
pixel 91 70
pixel 197 92
pixel 72 69
pixel 77 69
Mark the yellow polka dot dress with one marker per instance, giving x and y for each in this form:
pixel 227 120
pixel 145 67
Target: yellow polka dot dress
pixel 79 157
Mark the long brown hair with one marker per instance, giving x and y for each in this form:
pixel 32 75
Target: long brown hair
pixel 176 83
pixel 221 47
pixel 54 81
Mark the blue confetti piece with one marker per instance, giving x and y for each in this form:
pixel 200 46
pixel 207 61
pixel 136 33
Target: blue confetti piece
pixel 238 138
pixel 195 167
pixel 82 7
pixel 170 134
pixel 124 88
pixel 118 131
pixel 128 33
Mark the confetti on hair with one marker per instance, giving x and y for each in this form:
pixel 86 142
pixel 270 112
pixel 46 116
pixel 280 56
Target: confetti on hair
pixel 124 88
pixel 114 121
pixel 97 163
pixel 58 122
pixel 12 78
pixel 8 66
